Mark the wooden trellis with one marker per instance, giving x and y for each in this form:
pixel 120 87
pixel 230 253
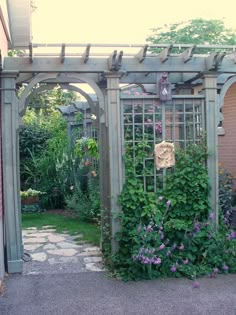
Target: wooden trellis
pixel 105 71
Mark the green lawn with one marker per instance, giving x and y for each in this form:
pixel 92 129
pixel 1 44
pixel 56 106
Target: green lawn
pixel 90 232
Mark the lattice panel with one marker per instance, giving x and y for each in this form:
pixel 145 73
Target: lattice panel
pixel 180 121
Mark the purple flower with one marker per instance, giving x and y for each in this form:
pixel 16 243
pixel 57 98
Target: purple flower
pixel 174 246
pixel 162 246
pixel 196 227
pixel 211 216
pixel 196 284
pixel 225 268
pixel 168 253
pixel 173 269
pixel 232 235
pixel 157 261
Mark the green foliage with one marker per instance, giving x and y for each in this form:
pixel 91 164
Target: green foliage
pixel 86 147
pixel 85 203
pixel 50 161
pixel 187 186
pixel 196 31
pixel 171 232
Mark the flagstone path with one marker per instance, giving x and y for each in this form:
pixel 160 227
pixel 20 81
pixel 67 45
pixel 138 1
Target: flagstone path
pixel 47 252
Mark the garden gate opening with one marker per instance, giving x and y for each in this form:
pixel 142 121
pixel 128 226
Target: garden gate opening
pixel 123 116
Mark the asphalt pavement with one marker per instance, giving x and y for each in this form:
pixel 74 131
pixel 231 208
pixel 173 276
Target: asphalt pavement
pixel 95 293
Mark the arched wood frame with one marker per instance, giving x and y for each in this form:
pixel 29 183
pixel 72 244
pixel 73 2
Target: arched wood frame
pixel 110 172
pixel 50 86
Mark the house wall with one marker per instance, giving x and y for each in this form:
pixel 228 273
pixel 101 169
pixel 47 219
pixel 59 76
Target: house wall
pixel 227 142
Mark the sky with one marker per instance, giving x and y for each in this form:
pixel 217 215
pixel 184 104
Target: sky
pixel 121 21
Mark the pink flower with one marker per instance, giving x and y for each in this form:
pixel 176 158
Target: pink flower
pixel 162 246
pixel 181 247
pixel 186 261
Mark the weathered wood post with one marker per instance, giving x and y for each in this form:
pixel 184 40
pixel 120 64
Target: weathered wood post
pixel 11 184
pixel 211 108
pixel 115 168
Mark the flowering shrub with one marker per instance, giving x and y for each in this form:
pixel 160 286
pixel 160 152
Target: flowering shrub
pixel 172 232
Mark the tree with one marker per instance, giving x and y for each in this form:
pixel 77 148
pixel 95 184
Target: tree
pixel 196 31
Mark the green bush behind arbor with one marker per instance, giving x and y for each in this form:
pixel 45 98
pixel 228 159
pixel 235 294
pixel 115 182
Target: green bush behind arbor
pixel 51 163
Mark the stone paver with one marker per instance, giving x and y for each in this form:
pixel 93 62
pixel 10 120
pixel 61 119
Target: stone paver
pixel 52 252
pixel 92 259
pixel 39 257
pixel 92 267
pixel 35 240
pixel 68 245
pixel 31 247
pixel 91 249
pixel 49 246
pixel 62 252
pixel 56 238
pixel 40 234
pixel 87 254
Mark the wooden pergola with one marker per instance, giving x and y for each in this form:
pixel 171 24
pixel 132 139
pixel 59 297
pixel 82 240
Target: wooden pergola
pixel 69 64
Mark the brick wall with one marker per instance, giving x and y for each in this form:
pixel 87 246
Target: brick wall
pixel 227 143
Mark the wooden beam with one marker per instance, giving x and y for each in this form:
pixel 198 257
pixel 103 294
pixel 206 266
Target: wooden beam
pixel 115 61
pixel 232 56
pixel 214 61
pixel 194 78
pixel 188 54
pixel 141 55
pixel 165 53
pixel 31 53
pixel 85 56
pixel 63 49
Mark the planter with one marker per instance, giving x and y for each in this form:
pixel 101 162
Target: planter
pixel 30 200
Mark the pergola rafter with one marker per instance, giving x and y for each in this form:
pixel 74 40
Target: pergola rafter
pixel 139 67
